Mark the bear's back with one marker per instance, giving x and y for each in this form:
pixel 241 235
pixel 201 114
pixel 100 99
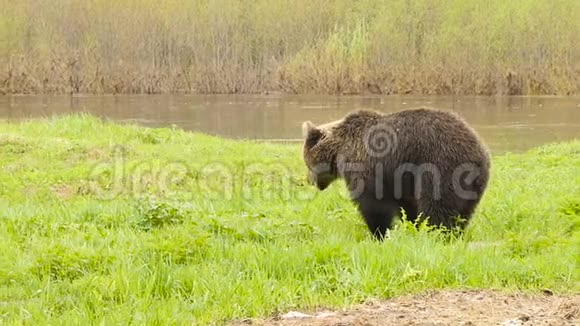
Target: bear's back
pixel 434 136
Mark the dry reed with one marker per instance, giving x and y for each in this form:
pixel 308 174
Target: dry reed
pixel 520 47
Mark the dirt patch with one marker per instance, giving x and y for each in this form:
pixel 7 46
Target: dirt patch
pixel 63 191
pixel 97 153
pixel 445 308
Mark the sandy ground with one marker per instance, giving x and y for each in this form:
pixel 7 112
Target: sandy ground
pixel 444 308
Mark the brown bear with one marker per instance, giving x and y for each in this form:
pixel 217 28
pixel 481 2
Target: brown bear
pixel 429 162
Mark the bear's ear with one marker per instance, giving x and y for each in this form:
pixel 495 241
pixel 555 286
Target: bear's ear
pixel 310 133
pixel 306 127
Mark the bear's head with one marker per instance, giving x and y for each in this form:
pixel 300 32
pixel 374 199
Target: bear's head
pixel 320 152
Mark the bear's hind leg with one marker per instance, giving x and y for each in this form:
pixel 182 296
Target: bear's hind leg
pixel 378 215
pixel 410 208
pixel 440 215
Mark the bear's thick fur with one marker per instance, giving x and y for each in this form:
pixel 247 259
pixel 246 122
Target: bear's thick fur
pixel 427 161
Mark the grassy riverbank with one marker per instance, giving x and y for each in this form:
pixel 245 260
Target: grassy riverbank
pixel 448 47
pixel 180 227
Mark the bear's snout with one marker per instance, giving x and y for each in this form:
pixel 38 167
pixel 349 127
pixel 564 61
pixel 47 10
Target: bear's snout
pixel 321 181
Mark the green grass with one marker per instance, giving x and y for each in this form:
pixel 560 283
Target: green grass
pixel 517 47
pixel 235 232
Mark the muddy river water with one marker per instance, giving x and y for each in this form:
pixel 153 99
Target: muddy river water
pixel 506 123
